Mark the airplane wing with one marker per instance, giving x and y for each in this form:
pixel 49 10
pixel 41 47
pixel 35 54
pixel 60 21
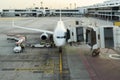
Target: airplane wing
pixel 33 29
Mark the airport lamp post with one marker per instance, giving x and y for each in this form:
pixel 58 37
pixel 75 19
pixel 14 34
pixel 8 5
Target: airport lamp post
pixel 41 4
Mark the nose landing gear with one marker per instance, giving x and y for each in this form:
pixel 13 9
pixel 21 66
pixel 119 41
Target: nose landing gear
pixel 60 49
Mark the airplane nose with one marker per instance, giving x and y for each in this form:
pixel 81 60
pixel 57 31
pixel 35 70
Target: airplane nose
pixel 60 43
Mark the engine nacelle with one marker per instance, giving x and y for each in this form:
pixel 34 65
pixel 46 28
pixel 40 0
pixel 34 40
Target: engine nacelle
pixel 44 36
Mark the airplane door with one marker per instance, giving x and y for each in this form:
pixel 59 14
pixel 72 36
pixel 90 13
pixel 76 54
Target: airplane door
pixel 68 35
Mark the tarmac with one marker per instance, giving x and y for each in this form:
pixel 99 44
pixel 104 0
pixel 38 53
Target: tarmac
pixel 44 63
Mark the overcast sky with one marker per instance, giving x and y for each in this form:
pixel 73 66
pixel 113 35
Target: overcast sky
pixel 14 4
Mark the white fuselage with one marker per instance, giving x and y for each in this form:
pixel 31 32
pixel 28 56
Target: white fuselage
pixel 59 35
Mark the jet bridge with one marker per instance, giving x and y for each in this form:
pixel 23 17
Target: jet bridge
pixel 91 36
pixel 103 37
pixel 76 34
pixel 107 36
pixel 100 37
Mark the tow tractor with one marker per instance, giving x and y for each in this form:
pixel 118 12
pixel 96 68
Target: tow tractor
pixel 19 47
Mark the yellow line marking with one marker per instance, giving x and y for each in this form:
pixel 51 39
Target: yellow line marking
pixel 27 69
pixel 9 18
pixel 60 63
pixel 34 69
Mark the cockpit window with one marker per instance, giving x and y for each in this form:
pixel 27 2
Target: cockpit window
pixel 61 36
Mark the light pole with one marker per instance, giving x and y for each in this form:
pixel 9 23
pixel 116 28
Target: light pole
pixel 75 5
pixel 33 5
pixel 41 4
pixel 70 5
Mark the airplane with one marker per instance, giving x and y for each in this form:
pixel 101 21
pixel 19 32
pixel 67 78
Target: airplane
pixel 59 33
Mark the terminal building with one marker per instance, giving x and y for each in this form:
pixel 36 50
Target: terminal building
pixel 107 10
pixel 21 12
pixel 37 12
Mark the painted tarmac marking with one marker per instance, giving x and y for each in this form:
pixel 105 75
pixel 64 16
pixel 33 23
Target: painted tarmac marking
pixel 34 70
pixel 12 18
pixel 91 72
pixel 27 69
pixel 60 63
pixel 114 56
pixel 61 66
pixel 8 69
pixel 48 68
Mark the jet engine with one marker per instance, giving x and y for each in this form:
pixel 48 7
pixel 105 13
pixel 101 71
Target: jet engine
pixel 44 36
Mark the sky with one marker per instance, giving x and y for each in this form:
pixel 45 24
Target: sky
pixel 53 4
